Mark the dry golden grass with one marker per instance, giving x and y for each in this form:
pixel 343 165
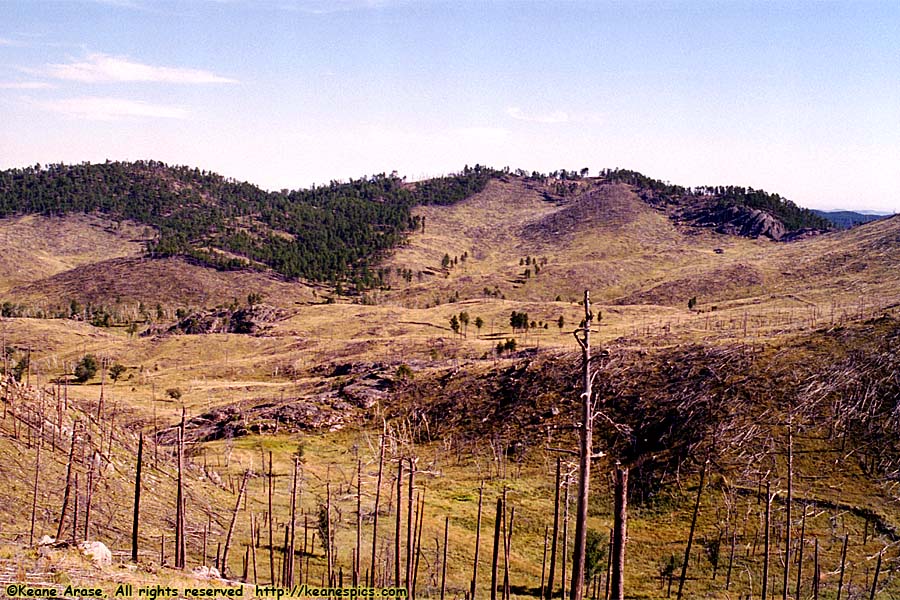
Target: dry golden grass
pixel 641 269
pixel 126 283
pixel 36 247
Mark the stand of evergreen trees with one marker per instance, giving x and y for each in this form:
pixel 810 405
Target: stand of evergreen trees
pixel 332 232
pixel 793 216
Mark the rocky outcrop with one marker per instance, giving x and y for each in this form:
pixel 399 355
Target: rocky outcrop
pixel 252 320
pixel 737 220
pixel 99 554
pixel 205 572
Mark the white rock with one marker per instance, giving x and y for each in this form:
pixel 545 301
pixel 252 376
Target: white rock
pixel 46 541
pixel 97 552
pixel 207 572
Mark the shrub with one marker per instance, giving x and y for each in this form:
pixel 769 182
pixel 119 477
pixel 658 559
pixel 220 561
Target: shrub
pixel 86 368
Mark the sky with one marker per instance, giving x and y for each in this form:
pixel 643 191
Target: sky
pixel 798 98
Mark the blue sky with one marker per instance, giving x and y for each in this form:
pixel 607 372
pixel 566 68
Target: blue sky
pixel 800 98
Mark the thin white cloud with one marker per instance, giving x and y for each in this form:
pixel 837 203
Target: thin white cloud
pixel 8 42
pixel 97 108
pixel 554 117
pixel 104 68
pixel 25 85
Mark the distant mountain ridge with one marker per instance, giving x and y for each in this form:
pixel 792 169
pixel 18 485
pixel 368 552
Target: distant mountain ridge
pixel 845 219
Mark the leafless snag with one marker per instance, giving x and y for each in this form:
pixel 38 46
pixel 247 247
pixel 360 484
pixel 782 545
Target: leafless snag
pixel 358 521
pixel 496 554
pixel 584 461
pixel 179 500
pixel 800 555
pixel 788 504
pixel 375 516
pixel 135 521
pixel 409 524
pixel 620 534
pixel 444 561
pixel 843 565
pixel 555 530
pixel 271 484
pixel 398 523
pixel 37 475
pixel 223 563
pixel 687 550
pixel 768 526
pixel 477 543
pixel 65 504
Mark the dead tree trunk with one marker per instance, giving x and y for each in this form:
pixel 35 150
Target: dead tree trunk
pixel 787 516
pixel 75 513
pixel 37 477
pixel 179 500
pixel 687 550
pixel 555 531
pixel 816 573
pixel 329 547
pixel 496 555
pixel 399 523
pixel 843 565
pixel 223 563
pixel 565 546
pixel 875 579
pixel 358 521
pixel 444 561
pixel 100 402
pixel 291 549
pixel 477 543
pixel 609 564
pixel 420 525
pixel 507 593
pixel 375 515
pixel 731 557
pixel 620 534
pixel 136 519
pixel 90 493
pixel 765 573
pixel 271 536
pixel 504 529
pixel 65 503
pixel 544 560
pixel 409 524
pixel 584 460
pixel 800 556
pixel 253 527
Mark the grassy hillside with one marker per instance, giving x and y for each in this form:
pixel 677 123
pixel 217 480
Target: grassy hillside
pixel 801 333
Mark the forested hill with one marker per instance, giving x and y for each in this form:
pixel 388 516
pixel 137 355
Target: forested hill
pixel 719 203
pixel 331 232
pixel 336 232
